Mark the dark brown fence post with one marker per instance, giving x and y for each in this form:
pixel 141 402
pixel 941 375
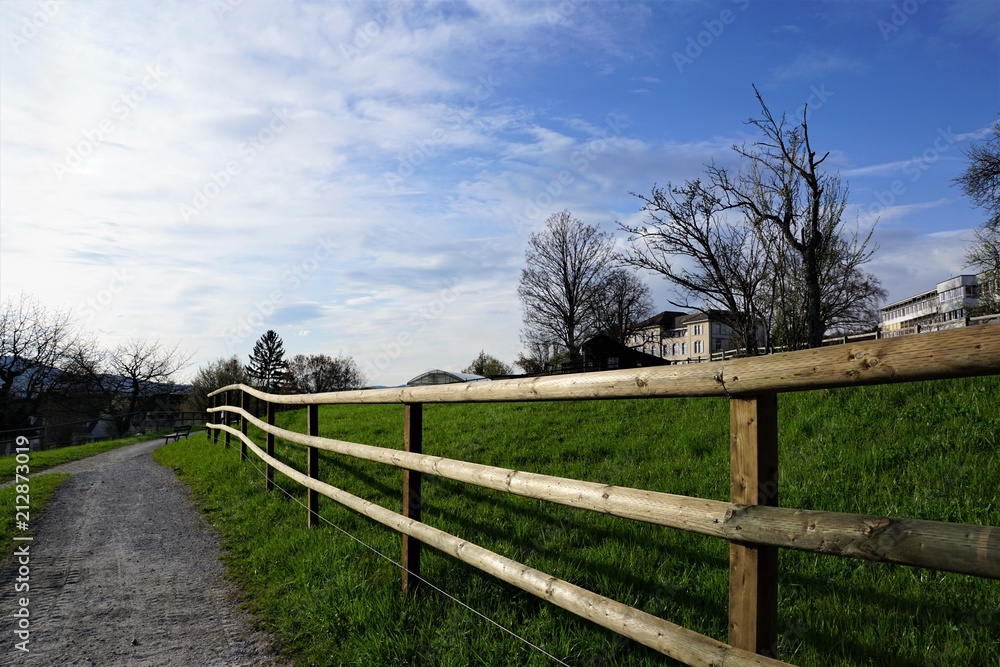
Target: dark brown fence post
pixel 753 570
pixel 245 404
pixel 412 442
pixel 269 484
pixel 215 420
pixel 312 467
pixel 225 415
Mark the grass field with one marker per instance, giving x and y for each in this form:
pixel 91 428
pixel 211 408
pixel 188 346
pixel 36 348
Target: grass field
pixel 924 450
pixel 52 457
pixel 40 491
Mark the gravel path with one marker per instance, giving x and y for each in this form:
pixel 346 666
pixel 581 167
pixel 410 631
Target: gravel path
pixel 124 571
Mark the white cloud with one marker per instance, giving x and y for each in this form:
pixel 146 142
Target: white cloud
pixel 395 198
pixel 817 64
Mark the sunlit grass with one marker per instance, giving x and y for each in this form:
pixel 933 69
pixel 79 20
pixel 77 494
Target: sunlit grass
pixel 48 458
pixel 39 492
pixel 926 450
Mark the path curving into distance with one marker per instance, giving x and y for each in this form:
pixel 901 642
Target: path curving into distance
pixel 124 571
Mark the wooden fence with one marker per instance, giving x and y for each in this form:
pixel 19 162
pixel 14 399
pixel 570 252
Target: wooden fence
pixel 752 521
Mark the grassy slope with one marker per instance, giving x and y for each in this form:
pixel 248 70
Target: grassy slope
pixel 925 450
pixel 52 457
pixel 41 490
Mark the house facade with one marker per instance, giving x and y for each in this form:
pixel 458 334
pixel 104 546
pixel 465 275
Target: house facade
pixel 683 337
pixel 944 307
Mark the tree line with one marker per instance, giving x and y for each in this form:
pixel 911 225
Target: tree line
pixel 765 246
pixel 268 370
pixel 50 367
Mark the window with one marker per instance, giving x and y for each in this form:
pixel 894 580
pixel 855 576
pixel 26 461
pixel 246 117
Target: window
pixel 674 351
pixel 718 345
pixel 684 348
pixel 612 363
pixel 699 347
pixel 698 329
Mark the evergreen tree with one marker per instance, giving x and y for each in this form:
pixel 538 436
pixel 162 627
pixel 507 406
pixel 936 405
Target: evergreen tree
pixel 267 365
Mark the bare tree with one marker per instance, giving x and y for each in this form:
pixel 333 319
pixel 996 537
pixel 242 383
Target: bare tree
pixel 562 282
pixel 981 182
pixel 317 373
pixel 623 302
pixel 141 370
pixel 766 245
pixel 712 262
pixel 785 189
pixel 219 373
pixel 540 356
pixel 34 343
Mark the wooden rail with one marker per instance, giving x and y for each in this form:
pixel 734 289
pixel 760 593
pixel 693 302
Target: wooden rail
pixel 753 522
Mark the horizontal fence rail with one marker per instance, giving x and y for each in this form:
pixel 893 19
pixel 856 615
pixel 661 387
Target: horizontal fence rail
pixel 752 522
pixel 951 547
pixel 672 640
pixel 948 354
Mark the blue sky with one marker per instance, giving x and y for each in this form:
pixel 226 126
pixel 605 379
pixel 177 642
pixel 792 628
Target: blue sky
pixel 363 177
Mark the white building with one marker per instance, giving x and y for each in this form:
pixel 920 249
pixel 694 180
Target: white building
pixel 944 307
pixel 683 337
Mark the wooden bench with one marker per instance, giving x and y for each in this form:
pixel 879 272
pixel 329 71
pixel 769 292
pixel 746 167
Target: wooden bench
pixel 179 432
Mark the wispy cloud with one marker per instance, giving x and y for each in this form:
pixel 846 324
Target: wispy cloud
pixel 338 167
pixel 816 65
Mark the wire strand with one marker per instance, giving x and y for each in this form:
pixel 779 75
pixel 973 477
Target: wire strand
pixel 412 574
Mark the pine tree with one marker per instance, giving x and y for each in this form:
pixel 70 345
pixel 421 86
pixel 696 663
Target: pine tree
pixel 267 362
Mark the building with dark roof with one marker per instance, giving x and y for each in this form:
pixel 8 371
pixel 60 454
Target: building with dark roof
pixel 683 337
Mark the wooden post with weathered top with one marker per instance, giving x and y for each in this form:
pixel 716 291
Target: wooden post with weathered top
pixel 412 442
pixel 245 404
pixel 215 420
pixel 269 474
pixel 225 416
pixel 312 467
pixel 753 569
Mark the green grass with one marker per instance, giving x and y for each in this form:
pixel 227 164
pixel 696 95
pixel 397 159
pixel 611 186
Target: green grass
pixel 52 457
pixel 40 491
pixel 926 450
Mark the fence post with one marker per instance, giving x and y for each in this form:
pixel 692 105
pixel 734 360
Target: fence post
pixel 269 484
pixel 312 467
pixel 215 420
pixel 412 442
pixel 225 415
pixel 245 404
pixel 753 569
